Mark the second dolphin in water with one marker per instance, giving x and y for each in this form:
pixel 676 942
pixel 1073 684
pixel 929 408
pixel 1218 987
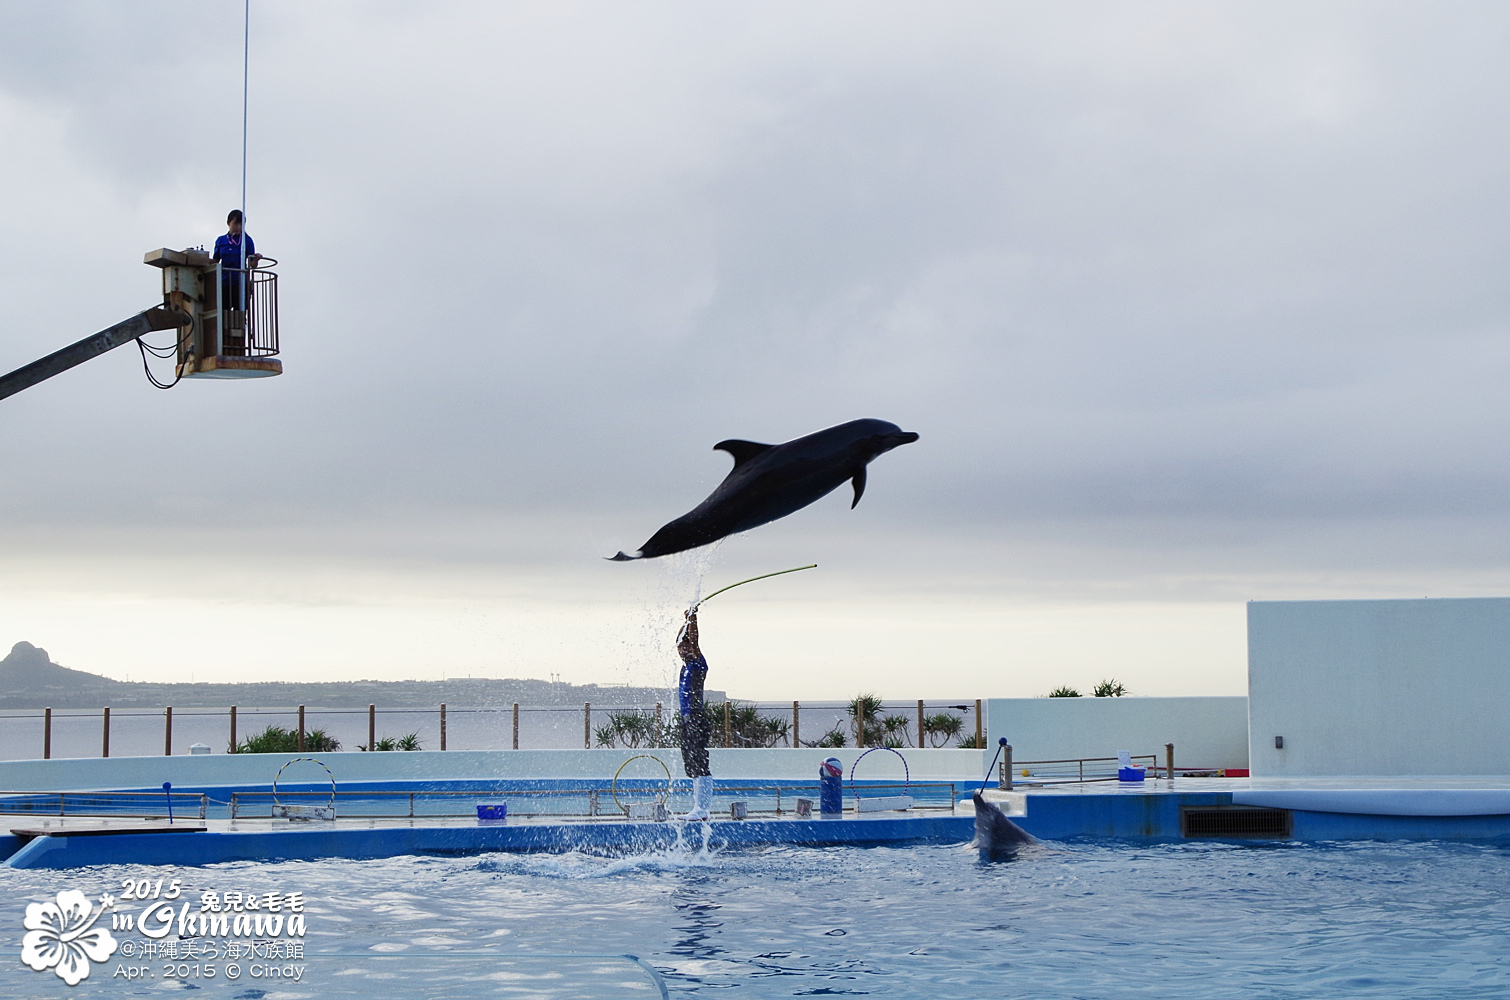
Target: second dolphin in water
pixel 770 481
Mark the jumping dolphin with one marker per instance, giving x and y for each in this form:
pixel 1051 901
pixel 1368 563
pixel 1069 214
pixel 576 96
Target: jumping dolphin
pixel 993 831
pixel 769 481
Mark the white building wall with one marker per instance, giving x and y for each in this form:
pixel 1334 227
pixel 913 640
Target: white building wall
pixel 1379 687
pixel 1206 732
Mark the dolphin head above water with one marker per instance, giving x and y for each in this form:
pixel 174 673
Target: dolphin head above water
pixel 994 832
pixel 771 481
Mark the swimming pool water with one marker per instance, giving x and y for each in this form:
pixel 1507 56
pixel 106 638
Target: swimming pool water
pixel 1060 920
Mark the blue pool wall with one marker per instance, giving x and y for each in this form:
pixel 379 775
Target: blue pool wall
pixel 1151 817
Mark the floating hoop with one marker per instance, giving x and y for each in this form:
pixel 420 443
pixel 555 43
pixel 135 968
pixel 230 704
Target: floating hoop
pixel 613 789
pixel 906 774
pixel 297 760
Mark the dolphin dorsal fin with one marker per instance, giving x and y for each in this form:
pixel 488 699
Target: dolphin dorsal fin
pixel 742 451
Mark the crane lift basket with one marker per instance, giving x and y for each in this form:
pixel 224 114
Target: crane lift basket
pixel 222 333
pixel 223 339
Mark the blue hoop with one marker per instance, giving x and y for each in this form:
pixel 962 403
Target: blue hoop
pixel 906 773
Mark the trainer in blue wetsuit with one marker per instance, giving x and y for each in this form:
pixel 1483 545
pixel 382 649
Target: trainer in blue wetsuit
pixel 228 250
pixel 695 727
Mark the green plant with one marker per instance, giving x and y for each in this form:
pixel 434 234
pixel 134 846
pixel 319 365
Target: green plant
pixel 1111 688
pixel 942 727
pixel 276 739
pixel 634 729
pixel 388 743
pixel 971 742
pixel 747 727
pixel 1064 691
pixel 897 731
pixel 865 720
pixel 832 739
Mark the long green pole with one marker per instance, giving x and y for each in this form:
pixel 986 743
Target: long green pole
pixel 741 583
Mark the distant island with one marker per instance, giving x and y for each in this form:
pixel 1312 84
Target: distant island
pixel 29 679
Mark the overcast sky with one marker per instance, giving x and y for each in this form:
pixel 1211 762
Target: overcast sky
pixel 1192 304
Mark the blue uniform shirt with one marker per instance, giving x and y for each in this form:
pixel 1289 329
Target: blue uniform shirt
pixel 228 250
pixel 690 690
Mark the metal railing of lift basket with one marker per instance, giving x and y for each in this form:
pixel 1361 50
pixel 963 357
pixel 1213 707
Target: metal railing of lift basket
pixel 255 333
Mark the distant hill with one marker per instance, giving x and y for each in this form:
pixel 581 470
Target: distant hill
pixel 29 679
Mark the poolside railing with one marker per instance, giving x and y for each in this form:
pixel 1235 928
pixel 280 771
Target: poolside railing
pixel 580 802
pixel 531 801
pixel 125 805
pixel 1077 770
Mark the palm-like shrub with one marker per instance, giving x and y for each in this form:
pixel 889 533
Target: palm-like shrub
pixel 747 727
pixel 636 728
pixel 1064 691
pixel 388 743
pixel 942 727
pixel 276 739
pixel 865 720
pixel 1110 688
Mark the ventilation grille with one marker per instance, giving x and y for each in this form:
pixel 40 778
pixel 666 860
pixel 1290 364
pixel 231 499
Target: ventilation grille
pixel 1235 821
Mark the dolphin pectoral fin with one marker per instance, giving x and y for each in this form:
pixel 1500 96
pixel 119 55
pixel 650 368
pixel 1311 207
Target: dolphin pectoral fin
pixel 742 451
pixel 623 557
pixel 859 487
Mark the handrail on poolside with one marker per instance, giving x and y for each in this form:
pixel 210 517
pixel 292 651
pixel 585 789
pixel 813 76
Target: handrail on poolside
pixel 239 800
pixel 1080 762
pixel 32 803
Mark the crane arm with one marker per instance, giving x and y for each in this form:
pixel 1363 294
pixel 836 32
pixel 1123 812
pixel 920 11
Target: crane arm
pixel 157 318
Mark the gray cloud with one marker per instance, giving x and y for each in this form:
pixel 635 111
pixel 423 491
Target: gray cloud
pixel 1217 287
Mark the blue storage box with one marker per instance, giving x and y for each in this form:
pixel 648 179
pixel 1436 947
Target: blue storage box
pixel 492 810
pixel 1130 774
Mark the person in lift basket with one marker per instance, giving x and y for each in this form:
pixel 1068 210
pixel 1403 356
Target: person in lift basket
pixel 235 251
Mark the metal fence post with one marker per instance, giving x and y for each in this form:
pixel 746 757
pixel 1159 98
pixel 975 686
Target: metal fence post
pixel 728 726
pixel 442 725
pixel 980 735
pixel 516 725
pixel 920 723
pixel 796 740
pixel 301 728
pixel 233 729
pixel 46 734
pixel 1169 761
pixel 168 731
pixel 860 722
pixel 587 725
pixel 371 727
pixel 105 737
pixel 1006 767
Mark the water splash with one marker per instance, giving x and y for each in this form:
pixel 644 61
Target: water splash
pixel 693 847
pixel 649 645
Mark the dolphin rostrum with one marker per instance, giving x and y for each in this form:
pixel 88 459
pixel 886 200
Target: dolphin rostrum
pixel 769 481
pixel 993 831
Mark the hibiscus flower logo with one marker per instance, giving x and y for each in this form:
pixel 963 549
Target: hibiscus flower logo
pixel 61 936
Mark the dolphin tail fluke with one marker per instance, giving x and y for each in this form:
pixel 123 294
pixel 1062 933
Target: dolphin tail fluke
pixel 625 557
